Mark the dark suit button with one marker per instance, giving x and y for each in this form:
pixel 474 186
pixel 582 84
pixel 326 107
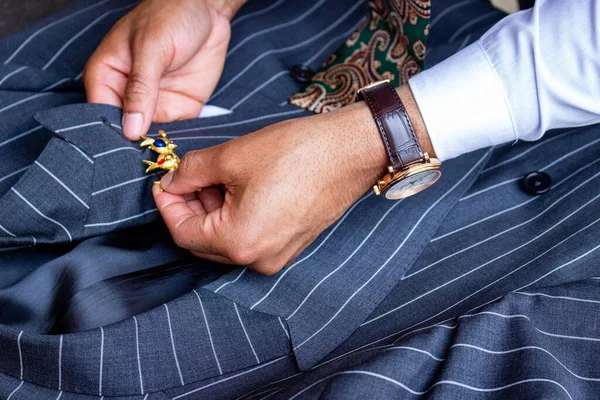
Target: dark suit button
pixel 535 183
pixel 302 73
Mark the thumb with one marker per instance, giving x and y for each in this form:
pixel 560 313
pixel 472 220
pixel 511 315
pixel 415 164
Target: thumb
pixel 141 92
pixel 198 169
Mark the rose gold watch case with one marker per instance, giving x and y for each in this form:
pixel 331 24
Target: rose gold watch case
pixel 394 178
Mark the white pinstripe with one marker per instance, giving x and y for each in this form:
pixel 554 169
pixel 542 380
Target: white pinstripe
pixel 146 396
pixel 464 42
pixel 263 365
pixel 7 231
pixel 16 71
pixel 15 391
pixel 416 350
pixel 20 355
pixel 546 167
pixel 60 395
pixel 257 89
pixel 518 349
pixel 14 173
pixel 444 382
pixel 115 150
pixel 61 184
pixel 71 128
pixel 57 22
pixel 142 178
pixel 19 136
pixel 8 107
pixel 173 346
pixel 447 10
pixel 206 137
pixel 529 150
pixel 121 220
pixel 283 327
pixel 256 13
pixel 286 72
pixel 229 124
pixel 84 30
pixel 566 179
pixel 469 24
pixel 246 333
pixel 137 351
pixel 233 281
pixel 558 297
pixel 212 345
pixel 82 153
pixel 512 272
pixel 358 349
pixel 356 249
pixel 509 229
pixel 79 76
pixel 288 269
pixel 60 346
pixel 489 188
pixel 286 49
pixel 276 27
pixel 490 262
pixel 55 84
pixel 561 267
pixel 42 215
pixel 485 156
pixel 556 335
pixel 264 386
pixel 101 361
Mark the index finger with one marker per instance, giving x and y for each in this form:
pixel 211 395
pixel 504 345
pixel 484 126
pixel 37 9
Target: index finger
pixel 189 229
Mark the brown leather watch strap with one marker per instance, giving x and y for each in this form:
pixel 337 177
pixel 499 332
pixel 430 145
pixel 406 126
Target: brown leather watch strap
pixel 393 123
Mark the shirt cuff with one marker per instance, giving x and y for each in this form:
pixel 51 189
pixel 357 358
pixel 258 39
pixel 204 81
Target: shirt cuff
pixel 463 104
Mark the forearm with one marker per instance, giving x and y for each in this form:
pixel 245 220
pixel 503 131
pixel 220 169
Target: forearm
pixel 535 70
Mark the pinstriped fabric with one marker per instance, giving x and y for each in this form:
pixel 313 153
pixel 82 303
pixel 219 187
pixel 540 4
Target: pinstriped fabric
pixel 409 305
pixel 165 347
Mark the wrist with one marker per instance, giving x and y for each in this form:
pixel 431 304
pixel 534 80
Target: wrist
pixel 371 148
pixel 227 8
pixel 412 109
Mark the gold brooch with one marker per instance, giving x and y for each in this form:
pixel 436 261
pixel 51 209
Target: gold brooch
pixel 167 159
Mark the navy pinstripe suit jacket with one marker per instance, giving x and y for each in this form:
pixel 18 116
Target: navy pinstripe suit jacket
pixel 470 289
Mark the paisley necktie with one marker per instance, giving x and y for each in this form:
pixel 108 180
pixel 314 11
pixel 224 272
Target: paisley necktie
pixel 389 44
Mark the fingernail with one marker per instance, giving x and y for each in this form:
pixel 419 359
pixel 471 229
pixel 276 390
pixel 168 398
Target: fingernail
pixel 132 125
pixel 166 180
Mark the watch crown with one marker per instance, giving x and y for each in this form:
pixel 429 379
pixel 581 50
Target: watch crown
pixel 376 190
pixel 391 170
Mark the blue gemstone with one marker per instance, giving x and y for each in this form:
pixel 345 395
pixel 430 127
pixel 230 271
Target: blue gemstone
pixel 159 143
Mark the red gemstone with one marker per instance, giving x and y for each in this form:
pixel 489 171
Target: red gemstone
pixel 161 161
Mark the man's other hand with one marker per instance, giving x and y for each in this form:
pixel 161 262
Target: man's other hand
pixel 260 199
pixel 162 61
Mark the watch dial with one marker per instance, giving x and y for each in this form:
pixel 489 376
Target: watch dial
pixel 413 184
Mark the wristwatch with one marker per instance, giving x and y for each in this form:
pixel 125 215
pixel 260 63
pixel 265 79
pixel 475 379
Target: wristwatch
pixel 410 170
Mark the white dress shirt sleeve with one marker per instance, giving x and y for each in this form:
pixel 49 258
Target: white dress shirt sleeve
pixel 535 70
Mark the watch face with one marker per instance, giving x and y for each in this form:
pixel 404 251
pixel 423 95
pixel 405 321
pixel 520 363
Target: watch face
pixel 412 184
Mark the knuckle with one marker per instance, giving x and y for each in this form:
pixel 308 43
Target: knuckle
pixel 268 268
pixel 242 254
pixel 223 158
pixel 188 163
pixel 180 241
pixel 137 86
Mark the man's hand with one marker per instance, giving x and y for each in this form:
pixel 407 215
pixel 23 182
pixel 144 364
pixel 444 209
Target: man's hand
pixel 267 195
pixel 260 199
pixel 162 61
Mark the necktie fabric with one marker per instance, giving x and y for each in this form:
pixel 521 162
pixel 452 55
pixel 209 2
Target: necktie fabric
pixel 389 44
